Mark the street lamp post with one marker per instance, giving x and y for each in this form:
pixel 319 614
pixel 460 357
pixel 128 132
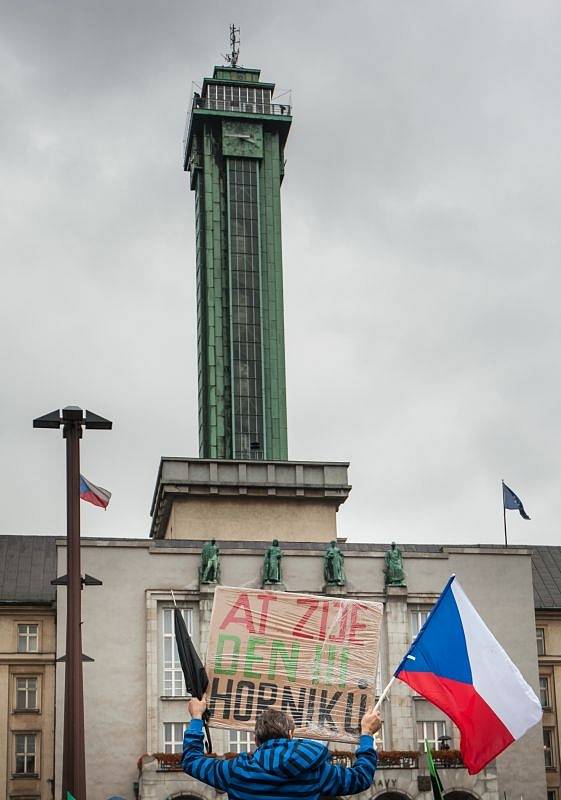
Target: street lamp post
pixel 72 421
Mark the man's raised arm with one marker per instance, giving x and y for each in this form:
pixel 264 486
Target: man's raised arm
pixel 213 771
pixel 352 780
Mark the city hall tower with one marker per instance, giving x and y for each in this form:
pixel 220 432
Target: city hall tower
pixel 234 152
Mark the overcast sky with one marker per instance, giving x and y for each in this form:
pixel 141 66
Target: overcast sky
pixel 421 236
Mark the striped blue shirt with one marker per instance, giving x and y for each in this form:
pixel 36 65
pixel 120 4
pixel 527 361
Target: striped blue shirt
pixel 281 769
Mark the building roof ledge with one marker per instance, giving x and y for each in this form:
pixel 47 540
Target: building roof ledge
pixel 300 480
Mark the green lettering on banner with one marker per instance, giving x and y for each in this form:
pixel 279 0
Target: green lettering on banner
pixel 316 667
pixel 219 668
pixel 251 657
pixel 290 660
pixel 344 666
pixel 331 655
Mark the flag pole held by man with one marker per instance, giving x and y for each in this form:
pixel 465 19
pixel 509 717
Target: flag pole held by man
pixel 281 768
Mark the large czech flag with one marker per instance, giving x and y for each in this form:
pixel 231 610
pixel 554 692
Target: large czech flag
pixel 457 664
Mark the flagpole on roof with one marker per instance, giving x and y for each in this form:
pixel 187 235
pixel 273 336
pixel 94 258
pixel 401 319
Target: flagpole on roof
pixel 504 510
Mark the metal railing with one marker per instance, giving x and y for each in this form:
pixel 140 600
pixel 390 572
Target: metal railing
pixel 405 759
pixel 277 109
pixel 387 759
pixel 169 762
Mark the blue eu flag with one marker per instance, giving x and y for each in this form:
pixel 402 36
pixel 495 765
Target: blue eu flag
pixel 512 501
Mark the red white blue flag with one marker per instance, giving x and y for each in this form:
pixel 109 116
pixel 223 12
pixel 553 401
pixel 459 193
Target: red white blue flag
pixel 94 494
pixel 457 664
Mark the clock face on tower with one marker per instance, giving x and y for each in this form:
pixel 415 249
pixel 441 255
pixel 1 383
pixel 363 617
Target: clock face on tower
pixel 242 139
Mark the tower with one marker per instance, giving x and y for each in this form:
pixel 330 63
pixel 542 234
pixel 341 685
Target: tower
pixel 234 152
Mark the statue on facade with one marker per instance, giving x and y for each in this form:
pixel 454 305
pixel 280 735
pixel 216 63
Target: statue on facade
pixel 272 572
pixel 210 562
pixel 333 565
pixel 395 576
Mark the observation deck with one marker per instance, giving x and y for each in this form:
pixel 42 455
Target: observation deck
pixel 234 94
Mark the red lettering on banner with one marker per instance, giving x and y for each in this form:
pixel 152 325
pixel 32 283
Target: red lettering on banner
pixel 266 599
pixel 243 618
pixel 323 623
pixel 312 604
pixel 340 636
pixel 355 624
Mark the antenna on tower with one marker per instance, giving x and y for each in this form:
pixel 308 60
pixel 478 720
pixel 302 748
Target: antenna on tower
pixel 232 59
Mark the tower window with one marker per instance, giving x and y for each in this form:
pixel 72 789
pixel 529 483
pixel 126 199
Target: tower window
pixel 247 388
pixel 238 98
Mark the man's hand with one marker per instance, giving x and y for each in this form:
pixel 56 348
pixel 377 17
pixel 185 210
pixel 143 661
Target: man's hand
pixel 371 722
pixel 196 708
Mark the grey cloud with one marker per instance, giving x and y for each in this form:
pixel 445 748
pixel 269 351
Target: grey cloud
pixel 421 247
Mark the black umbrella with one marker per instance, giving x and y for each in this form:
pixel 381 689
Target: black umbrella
pixel 196 679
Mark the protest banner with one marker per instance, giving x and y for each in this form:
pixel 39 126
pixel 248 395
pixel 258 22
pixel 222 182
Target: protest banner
pixel 314 657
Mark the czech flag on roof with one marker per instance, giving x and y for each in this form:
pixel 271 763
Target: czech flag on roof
pixel 457 664
pixel 93 494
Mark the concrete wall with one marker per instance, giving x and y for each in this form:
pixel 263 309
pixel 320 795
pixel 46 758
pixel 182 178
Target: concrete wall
pixel 124 710
pixel 252 519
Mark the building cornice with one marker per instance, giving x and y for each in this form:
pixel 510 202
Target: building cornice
pixel 184 478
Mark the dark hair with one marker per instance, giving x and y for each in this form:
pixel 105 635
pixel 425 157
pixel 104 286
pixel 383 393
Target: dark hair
pixel 272 724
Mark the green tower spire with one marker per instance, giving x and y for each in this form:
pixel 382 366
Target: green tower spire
pixel 234 152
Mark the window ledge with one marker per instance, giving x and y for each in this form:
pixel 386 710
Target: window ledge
pixel 184 697
pixel 28 775
pixel 26 711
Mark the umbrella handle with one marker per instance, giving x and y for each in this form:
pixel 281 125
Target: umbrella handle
pixel 208 743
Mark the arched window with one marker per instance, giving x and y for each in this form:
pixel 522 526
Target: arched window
pixel 459 795
pixel 392 796
pixel 184 797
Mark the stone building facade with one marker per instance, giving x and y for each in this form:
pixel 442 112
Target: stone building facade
pixel 546 562
pixel 134 698
pixel 27 667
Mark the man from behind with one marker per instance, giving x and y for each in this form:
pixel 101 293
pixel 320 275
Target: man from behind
pixel 281 768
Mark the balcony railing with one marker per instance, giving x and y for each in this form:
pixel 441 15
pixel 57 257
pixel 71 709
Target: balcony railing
pixel 169 762
pixel 404 759
pixel 241 107
pixel 398 759
pixel 387 759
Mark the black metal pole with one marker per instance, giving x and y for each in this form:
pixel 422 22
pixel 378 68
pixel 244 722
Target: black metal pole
pixel 73 749
pixel 504 510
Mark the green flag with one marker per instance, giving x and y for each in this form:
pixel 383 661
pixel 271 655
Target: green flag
pixel 69 796
pixel 436 783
